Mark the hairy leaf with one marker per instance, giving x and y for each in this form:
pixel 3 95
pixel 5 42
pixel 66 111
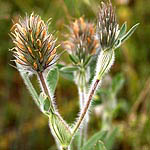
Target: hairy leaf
pixel 52 79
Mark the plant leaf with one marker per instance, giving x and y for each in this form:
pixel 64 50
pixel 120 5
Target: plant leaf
pixel 45 104
pixel 29 85
pixel 67 75
pixel 100 146
pixel 117 83
pixel 69 69
pixel 60 130
pixel 129 33
pixel 110 139
pixel 93 140
pixel 52 79
pixel 123 30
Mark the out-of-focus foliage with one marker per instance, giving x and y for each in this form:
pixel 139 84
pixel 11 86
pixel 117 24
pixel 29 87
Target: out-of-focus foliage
pixel 21 124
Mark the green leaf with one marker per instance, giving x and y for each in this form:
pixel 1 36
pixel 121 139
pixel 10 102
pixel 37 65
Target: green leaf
pixel 129 33
pixel 29 85
pixel 46 104
pixel 117 83
pixel 67 75
pixel 123 30
pixel 100 146
pixel 52 79
pixel 110 139
pixel 59 66
pixel 93 140
pixel 69 69
pixel 60 130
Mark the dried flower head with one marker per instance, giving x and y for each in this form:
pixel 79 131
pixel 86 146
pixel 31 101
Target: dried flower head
pixel 35 48
pixel 81 40
pixel 107 27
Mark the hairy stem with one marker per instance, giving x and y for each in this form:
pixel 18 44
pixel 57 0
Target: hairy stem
pixel 86 106
pixel 43 84
pixel 82 84
pixel 82 96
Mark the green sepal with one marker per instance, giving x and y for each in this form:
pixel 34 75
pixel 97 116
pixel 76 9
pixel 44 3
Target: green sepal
pixel 87 61
pixel 74 59
pixel 52 80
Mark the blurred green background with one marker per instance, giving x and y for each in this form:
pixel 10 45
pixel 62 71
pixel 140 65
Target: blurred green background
pixel 23 127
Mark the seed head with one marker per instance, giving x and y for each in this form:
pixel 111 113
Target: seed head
pixel 35 48
pixel 107 27
pixel 81 39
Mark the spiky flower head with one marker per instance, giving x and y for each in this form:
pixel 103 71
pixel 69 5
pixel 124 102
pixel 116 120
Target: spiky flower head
pixel 81 40
pixel 35 48
pixel 107 26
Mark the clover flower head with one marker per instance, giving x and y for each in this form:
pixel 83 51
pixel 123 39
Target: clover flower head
pixel 107 26
pixel 81 39
pixel 35 48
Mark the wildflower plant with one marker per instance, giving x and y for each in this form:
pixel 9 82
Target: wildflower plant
pixel 35 52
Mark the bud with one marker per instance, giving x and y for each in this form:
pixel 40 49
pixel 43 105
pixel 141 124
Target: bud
pixel 35 48
pixel 81 41
pixel 107 26
pixel 110 37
